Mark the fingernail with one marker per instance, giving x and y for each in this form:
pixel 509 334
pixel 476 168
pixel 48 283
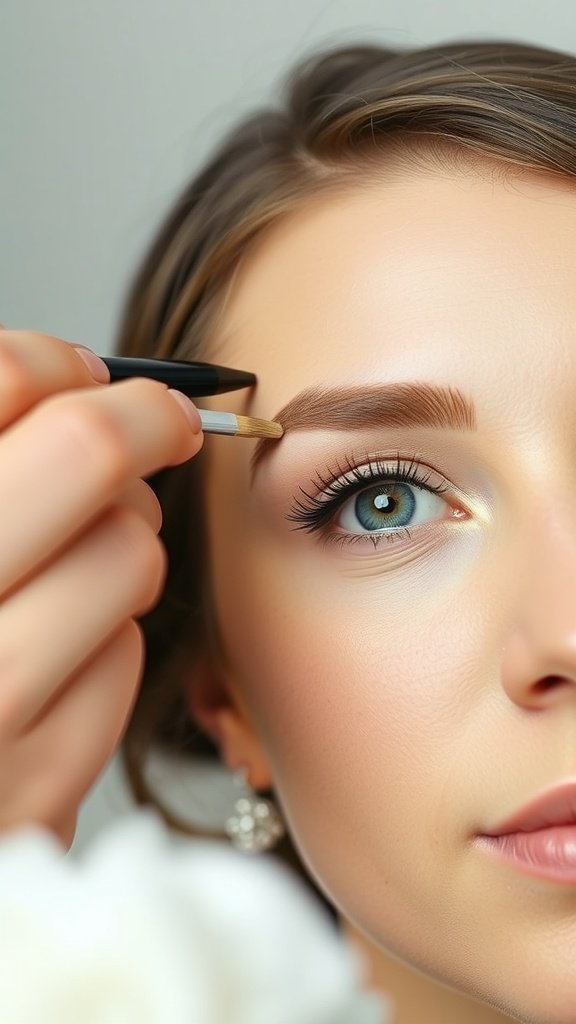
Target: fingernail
pixel 192 414
pixel 97 366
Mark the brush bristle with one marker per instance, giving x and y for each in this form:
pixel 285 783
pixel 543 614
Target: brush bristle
pixel 251 426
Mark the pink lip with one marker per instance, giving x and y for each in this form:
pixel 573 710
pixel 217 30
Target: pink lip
pixel 554 807
pixel 539 838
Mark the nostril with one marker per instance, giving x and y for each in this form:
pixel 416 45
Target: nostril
pixel 548 682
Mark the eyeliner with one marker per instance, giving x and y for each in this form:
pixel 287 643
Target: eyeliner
pixel 194 380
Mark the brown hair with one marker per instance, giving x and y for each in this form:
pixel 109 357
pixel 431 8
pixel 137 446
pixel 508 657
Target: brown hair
pixel 345 113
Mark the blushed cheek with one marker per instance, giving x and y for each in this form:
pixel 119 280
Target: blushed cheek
pixel 352 686
pixel 344 709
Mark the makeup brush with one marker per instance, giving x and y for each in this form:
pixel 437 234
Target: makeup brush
pixel 194 380
pixel 241 426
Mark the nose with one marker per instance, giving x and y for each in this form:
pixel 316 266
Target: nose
pixel 539 659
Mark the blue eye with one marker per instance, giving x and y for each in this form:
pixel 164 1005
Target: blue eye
pixel 396 498
pixel 387 505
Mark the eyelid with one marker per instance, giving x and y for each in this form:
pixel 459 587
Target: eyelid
pixel 474 503
pixel 318 514
pixel 384 466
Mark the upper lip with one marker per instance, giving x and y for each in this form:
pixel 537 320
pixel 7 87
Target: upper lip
pixel 555 806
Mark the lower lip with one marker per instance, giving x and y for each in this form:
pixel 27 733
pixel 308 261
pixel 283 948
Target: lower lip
pixel 547 853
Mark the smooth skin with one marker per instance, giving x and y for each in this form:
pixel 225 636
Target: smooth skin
pixel 81 559
pixel 402 698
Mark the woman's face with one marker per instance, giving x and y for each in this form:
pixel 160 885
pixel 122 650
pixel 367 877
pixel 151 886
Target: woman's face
pixel 391 661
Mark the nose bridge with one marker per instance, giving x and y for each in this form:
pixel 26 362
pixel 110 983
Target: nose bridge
pixel 543 641
pixel 548 549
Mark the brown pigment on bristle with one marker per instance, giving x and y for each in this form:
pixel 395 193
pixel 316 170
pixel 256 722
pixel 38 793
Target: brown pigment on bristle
pixel 250 426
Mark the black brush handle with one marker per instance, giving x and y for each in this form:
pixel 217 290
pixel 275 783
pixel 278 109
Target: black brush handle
pixel 193 379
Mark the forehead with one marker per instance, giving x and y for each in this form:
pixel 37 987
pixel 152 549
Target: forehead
pixel 422 274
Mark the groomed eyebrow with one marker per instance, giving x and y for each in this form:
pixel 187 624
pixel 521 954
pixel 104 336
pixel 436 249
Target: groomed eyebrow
pixel 396 404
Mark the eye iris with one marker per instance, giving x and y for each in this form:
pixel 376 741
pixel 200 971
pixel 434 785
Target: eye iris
pixel 377 507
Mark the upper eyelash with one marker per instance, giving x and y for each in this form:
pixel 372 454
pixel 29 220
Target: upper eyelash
pixel 319 511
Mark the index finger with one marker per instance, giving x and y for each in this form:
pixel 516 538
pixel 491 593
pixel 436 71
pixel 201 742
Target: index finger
pixel 34 366
pixel 76 454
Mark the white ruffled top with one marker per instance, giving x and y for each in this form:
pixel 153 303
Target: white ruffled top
pixel 142 930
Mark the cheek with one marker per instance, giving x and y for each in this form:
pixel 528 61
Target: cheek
pixel 358 690
pixel 368 692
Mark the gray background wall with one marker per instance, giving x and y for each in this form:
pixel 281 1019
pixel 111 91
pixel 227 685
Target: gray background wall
pixel 106 108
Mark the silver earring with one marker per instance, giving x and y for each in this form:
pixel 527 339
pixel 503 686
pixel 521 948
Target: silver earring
pixel 256 824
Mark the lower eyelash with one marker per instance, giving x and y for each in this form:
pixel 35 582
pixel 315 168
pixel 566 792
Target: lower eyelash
pixel 318 512
pixel 355 538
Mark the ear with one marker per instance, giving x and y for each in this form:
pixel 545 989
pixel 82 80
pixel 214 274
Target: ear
pixel 213 703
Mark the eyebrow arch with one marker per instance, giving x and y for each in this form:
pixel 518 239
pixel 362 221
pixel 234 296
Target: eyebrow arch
pixel 396 404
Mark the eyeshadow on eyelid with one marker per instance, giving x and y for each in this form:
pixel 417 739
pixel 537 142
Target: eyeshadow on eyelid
pixel 466 481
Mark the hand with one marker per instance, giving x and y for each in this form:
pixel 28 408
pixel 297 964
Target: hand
pixel 80 559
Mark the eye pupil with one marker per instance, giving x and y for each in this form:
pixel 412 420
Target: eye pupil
pixel 385 505
pixel 382 501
